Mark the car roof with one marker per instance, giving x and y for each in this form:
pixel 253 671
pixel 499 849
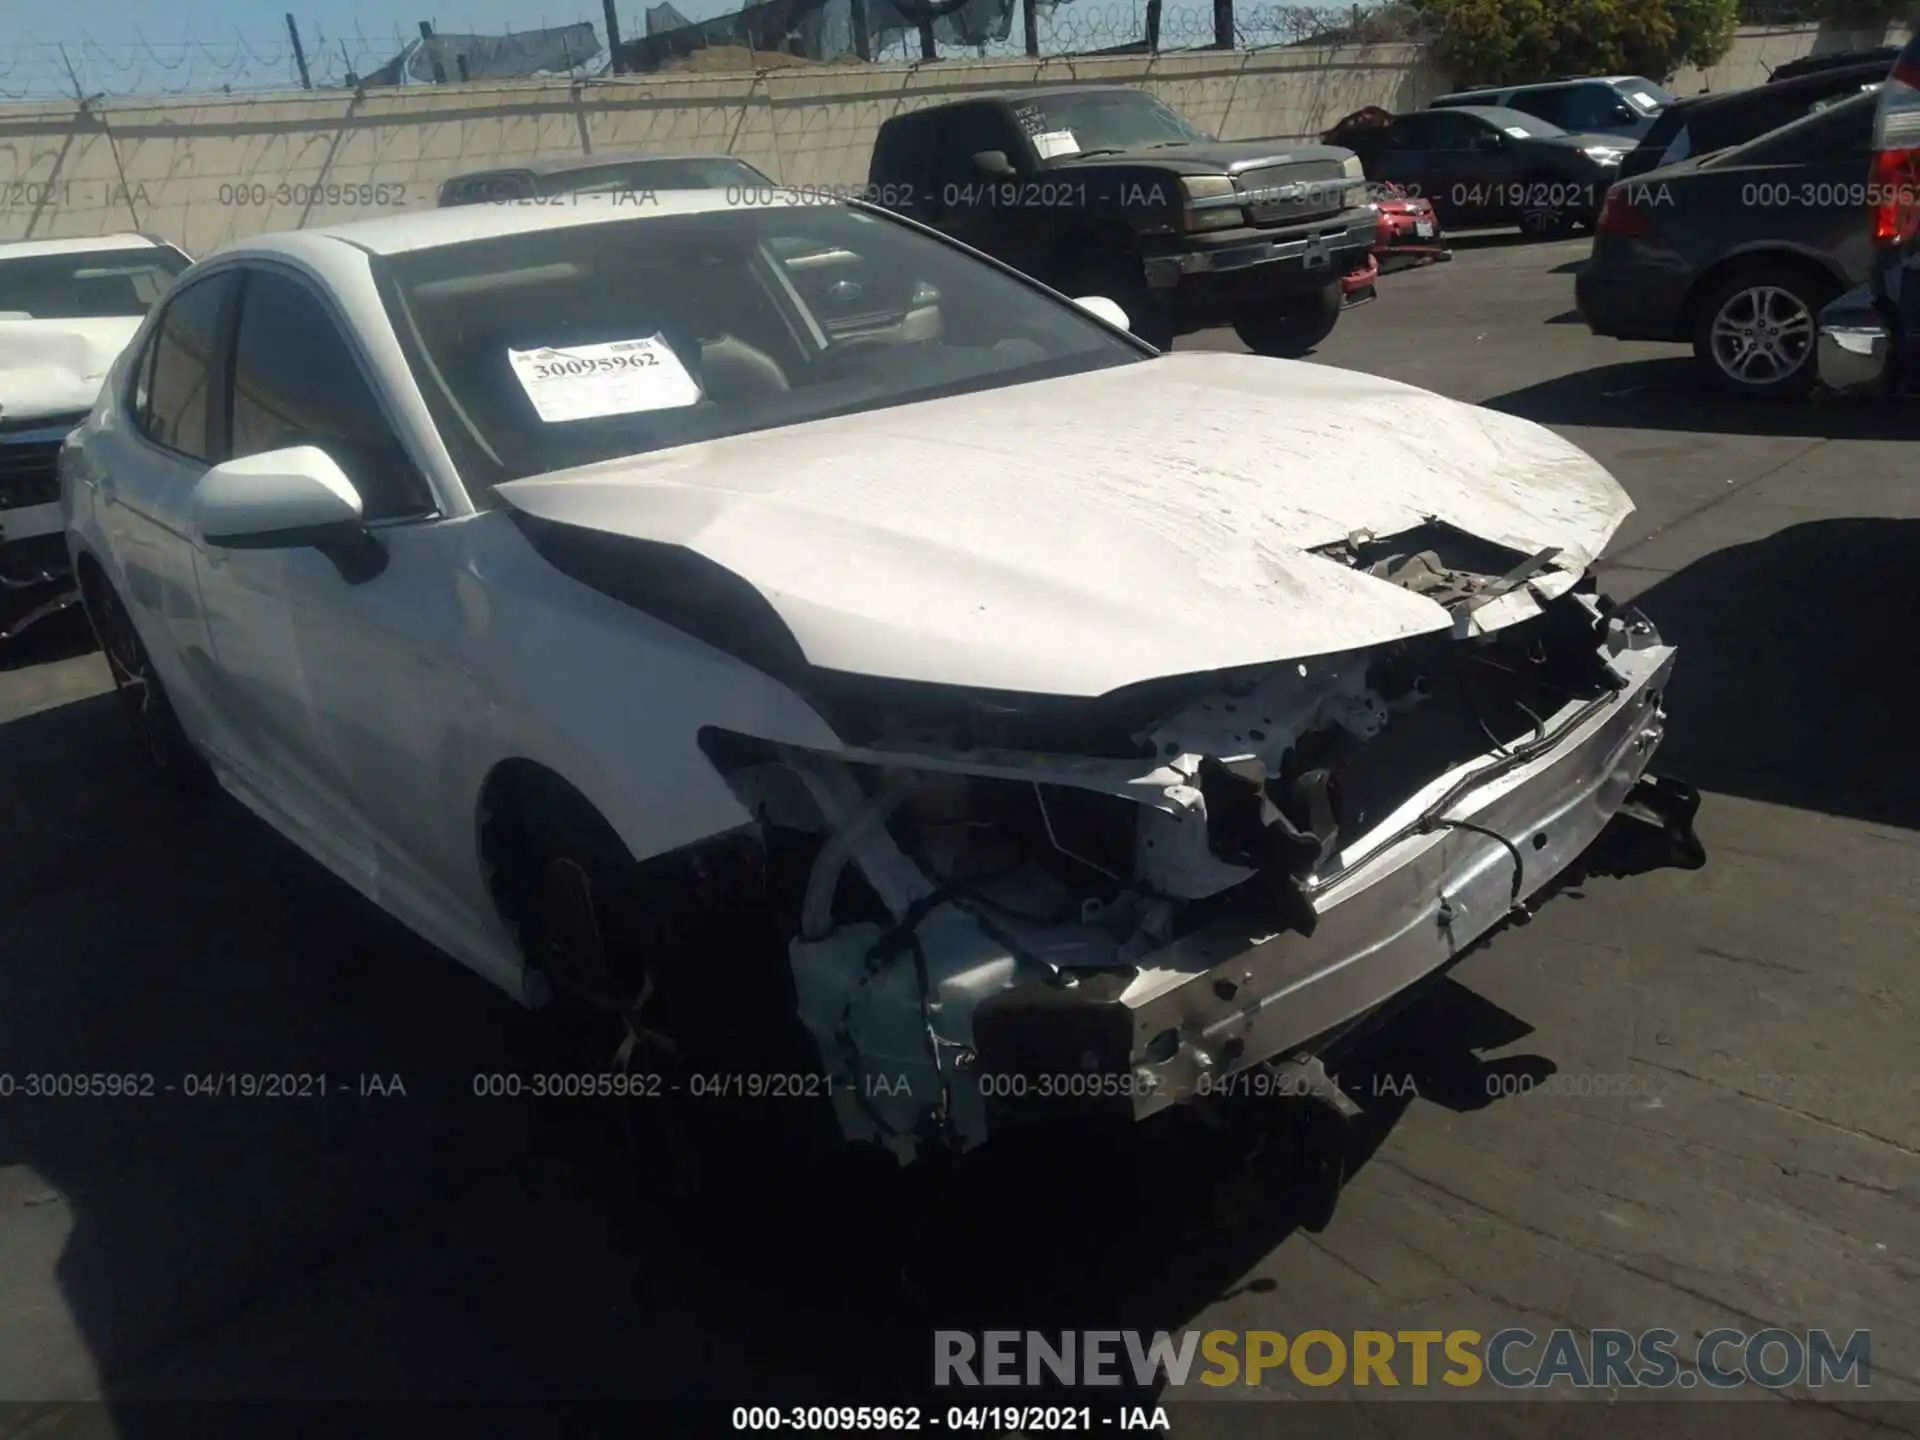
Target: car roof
pixel 1836 80
pixel 76 245
pixel 1500 115
pixel 1534 85
pixel 1017 97
pixel 457 224
pixel 562 164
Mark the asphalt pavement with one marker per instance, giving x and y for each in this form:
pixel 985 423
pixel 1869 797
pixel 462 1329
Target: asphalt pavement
pixel 1686 1099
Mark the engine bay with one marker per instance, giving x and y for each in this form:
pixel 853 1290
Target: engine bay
pixel 951 870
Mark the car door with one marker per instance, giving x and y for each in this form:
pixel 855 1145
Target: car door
pixel 294 382
pixel 169 430
pixel 1473 155
pixel 1803 184
pixel 1407 157
pixel 975 208
pixel 360 675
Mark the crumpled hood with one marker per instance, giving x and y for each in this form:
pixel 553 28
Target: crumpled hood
pixel 55 367
pixel 1072 536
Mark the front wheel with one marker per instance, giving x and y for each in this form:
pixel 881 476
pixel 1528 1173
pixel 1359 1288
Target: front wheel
pixel 1290 328
pixel 1755 334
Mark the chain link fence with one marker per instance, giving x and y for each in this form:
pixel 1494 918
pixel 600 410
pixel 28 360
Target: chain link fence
pixel 662 38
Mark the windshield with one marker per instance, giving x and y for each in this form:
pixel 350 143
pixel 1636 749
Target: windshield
pixel 1645 96
pixel 716 172
pixel 1102 120
pixel 561 347
pixel 86 284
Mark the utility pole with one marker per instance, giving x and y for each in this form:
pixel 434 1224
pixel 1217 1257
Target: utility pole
pixel 1030 22
pixel 1153 27
pixel 613 33
pixel 299 53
pixel 1223 24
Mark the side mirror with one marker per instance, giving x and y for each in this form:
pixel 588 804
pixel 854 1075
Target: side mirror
pixel 291 499
pixel 994 165
pixel 1625 113
pixel 1490 142
pixel 1101 308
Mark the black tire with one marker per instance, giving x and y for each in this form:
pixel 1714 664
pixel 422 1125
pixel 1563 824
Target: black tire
pixel 1756 332
pixel 157 732
pixel 1290 328
pixel 1122 281
pixel 571 890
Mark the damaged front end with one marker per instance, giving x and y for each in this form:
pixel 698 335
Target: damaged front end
pixel 1022 910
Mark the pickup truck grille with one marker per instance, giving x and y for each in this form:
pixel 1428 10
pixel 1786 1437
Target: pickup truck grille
pixel 1304 190
pixel 29 472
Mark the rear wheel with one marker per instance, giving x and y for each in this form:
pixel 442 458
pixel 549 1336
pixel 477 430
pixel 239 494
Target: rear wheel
pixel 1755 335
pixel 1290 328
pixel 156 728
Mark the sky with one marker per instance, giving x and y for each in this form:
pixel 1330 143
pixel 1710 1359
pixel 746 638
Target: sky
pixel 133 46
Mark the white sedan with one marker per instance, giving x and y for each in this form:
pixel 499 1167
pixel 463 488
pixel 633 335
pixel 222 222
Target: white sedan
pixel 846 667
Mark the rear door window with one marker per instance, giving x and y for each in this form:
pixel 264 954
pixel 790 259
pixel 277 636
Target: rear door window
pixel 1829 135
pixel 177 406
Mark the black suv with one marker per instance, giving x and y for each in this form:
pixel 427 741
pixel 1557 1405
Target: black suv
pixel 1102 190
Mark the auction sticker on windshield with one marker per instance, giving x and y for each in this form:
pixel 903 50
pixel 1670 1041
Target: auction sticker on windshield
pixel 1516 132
pixel 622 377
pixel 1052 143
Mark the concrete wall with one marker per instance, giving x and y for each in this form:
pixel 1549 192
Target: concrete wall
pixel 1757 49
pixel 203 170
pixel 200 171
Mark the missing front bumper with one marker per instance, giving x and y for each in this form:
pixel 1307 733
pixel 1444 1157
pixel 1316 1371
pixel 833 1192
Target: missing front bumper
pixel 1236 994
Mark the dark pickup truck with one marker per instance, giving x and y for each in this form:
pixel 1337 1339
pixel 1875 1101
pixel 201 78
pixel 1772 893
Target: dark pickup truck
pixel 1103 190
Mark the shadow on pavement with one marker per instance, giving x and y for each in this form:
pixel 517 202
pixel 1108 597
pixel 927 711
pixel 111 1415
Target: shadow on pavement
pixel 1798 670
pixel 1669 395
pixel 381 1233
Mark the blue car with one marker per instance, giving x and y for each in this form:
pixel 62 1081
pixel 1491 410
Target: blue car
pixel 1870 336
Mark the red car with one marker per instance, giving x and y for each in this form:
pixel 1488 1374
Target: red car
pixel 1410 233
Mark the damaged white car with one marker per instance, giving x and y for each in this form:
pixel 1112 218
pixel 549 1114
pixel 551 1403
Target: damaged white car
pixel 67 308
pixel 846 667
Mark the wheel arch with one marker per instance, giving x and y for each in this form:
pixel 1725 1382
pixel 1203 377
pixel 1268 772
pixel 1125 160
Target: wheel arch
pixel 1808 262
pixel 513 792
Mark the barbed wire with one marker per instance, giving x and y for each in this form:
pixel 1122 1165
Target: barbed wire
pixel 237 60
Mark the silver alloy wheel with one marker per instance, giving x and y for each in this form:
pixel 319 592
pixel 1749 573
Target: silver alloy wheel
pixel 1762 335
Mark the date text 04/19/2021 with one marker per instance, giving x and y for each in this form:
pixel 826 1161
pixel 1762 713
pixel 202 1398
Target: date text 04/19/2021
pixel 986 1419
pixel 197 1085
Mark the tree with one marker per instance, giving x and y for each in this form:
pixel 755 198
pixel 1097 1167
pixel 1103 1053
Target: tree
pixel 1505 42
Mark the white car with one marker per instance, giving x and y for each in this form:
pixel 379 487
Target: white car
pixel 966 719
pixel 67 308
